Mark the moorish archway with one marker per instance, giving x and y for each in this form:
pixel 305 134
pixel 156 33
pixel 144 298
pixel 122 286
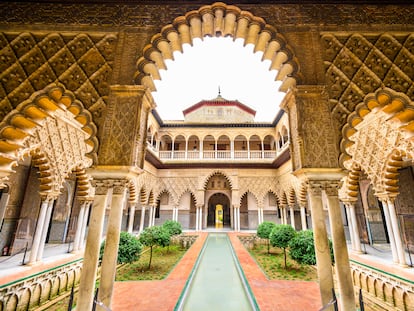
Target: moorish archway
pixel 220 20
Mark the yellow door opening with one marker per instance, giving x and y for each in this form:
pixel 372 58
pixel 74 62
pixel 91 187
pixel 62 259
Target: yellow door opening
pixel 219 216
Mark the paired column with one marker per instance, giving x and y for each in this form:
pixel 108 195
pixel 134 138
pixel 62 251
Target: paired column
pixel 322 250
pixel 259 215
pixel 394 234
pixel 132 206
pixel 199 218
pixel 353 227
pixel 42 227
pixel 292 216
pixel 91 255
pixel 236 218
pixel 175 213
pixel 303 217
pixel 79 226
pixel 110 256
pixel 343 270
pixel 142 220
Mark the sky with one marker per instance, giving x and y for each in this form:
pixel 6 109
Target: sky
pixel 213 63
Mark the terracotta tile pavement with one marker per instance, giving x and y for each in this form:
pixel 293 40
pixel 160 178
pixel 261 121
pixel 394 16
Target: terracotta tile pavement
pixel 164 294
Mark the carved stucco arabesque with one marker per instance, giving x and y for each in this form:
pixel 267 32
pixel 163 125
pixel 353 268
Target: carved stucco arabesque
pixel 79 61
pixel 358 64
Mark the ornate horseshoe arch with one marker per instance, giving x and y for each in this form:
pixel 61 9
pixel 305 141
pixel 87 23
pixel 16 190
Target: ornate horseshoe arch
pixel 56 130
pixel 221 20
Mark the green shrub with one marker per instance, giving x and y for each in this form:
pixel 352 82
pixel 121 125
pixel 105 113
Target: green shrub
pixel 173 227
pixel 264 230
pixel 280 237
pixel 302 248
pixel 129 248
pixel 154 236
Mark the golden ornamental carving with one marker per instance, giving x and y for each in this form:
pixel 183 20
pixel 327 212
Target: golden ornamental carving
pixel 55 129
pixel 358 64
pixel 376 138
pixel 81 62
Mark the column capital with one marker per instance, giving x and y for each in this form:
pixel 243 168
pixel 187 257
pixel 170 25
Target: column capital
pixel 102 185
pixel 48 196
pixel 386 197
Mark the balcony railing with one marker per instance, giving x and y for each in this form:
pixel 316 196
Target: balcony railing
pixel 217 155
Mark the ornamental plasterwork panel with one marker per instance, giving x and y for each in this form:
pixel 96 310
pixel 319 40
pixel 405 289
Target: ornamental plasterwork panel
pixel 177 186
pixel 259 186
pixel 358 64
pixel 62 141
pixel 374 142
pixel 151 15
pixel 81 62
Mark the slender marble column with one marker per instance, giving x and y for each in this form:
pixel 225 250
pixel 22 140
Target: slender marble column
pixel 292 217
pixel 150 216
pixel 142 220
pixel 355 230
pixel 39 230
pixel 84 225
pixel 131 216
pixel 45 229
pixel 197 219
pixel 397 234
pixel 91 256
pixel 303 217
pixel 153 215
pixel 390 230
pixel 201 219
pixel 110 256
pixel 343 270
pixel 322 251
pixel 79 223
pixel 238 218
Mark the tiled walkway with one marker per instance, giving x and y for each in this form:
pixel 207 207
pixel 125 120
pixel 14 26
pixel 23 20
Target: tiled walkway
pixel 164 294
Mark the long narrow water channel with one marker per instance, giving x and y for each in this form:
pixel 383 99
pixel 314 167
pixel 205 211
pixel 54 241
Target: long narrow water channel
pixel 217 282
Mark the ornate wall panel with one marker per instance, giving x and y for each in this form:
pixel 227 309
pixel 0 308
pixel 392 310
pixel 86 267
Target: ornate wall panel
pixel 147 14
pixel 358 64
pixel 32 60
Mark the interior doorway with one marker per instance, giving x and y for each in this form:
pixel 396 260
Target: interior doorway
pixel 218 211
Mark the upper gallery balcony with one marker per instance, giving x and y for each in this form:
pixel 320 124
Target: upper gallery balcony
pixel 218 150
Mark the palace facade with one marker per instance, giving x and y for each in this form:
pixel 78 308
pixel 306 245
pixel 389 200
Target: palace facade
pixel 84 153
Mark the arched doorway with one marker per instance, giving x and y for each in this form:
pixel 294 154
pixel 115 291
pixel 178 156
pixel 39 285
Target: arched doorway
pixel 218 211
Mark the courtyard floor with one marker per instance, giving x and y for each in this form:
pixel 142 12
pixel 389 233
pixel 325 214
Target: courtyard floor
pixel 164 294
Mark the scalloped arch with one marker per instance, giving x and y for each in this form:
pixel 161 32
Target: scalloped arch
pixel 221 20
pixel 397 105
pixel 29 116
pixel 395 113
pixel 217 172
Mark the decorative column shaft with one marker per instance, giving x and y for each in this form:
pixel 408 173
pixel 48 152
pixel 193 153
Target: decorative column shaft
pixel 354 231
pixel 322 251
pixel 45 229
pixel 142 220
pixel 79 224
pixel 150 216
pixel 39 230
pixel 390 230
pixel 131 216
pixel 110 255
pixel 343 270
pixel 303 217
pixel 84 225
pixel 292 217
pixel 397 233
pixel 91 256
